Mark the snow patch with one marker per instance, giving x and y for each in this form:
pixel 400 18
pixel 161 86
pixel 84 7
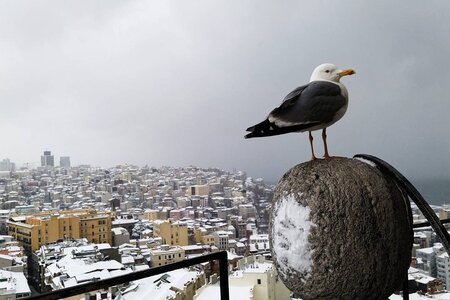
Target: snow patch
pixel 290 230
pixel 366 161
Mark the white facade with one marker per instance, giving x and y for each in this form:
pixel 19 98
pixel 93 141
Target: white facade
pixel 426 259
pixel 221 239
pixel 255 279
pixel 443 268
pixel 259 243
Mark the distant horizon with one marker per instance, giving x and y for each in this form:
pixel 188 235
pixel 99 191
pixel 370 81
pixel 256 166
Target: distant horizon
pixel 436 190
pixel 38 164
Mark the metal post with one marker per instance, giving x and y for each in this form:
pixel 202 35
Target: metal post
pixel 223 272
pixel 405 290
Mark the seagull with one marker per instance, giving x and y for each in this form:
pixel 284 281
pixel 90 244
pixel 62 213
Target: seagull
pixel 313 106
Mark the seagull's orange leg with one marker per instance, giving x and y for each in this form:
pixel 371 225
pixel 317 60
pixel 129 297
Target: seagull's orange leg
pixel 313 157
pixel 324 138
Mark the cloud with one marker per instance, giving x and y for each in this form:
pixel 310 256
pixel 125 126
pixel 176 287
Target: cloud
pixel 176 83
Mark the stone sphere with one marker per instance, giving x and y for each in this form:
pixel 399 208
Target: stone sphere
pixel 339 229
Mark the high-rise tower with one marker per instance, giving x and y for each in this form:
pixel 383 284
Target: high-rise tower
pixel 47 160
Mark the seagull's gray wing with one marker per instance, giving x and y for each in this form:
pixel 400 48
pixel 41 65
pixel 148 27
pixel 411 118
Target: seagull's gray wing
pixel 314 103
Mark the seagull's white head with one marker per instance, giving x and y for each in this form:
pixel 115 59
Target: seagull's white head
pixel 329 72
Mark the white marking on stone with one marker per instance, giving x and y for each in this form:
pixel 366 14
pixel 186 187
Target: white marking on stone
pixel 290 230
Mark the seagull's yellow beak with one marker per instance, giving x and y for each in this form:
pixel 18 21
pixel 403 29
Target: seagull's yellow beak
pixel 346 72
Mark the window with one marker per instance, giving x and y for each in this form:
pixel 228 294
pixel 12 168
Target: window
pixel 259 281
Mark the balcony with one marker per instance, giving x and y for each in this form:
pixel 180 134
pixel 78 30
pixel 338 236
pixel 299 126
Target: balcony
pixel 221 257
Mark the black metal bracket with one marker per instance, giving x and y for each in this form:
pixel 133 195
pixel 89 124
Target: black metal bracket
pixel 414 195
pixel 409 190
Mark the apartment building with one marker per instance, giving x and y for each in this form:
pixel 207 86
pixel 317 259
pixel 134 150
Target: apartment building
pixel 43 228
pixel 198 190
pixel 151 214
pixel 426 259
pixel 172 233
pixel 443 268
pixel 254 279
pixel 166 254
pixel 221 239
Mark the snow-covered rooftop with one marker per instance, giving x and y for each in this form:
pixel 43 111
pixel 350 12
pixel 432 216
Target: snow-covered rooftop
pixel 212 291
pixel 160 287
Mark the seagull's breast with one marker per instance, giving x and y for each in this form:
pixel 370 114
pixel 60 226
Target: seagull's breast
pixel 341 112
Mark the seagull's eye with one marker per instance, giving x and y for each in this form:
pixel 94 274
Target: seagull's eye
pixel 327 71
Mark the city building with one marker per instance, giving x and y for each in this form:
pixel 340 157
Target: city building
pixel 221 239
pixel 166 254
pixel 424 284
pixel 6 165
pixel 247 211
pixel 254 279
pixel 120 236
pixel 172 233
pixel 259 244
pixel 426 259
pixel 43 228
pixel 151 214
pixel 13 285
pixel 47 160
pixel 64 162
pixel 443 268
pixel 198 190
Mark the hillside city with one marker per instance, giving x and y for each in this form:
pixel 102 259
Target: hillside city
pixel 61 226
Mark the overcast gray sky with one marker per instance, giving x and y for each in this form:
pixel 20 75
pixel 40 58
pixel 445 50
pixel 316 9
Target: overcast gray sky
pixel 178 82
